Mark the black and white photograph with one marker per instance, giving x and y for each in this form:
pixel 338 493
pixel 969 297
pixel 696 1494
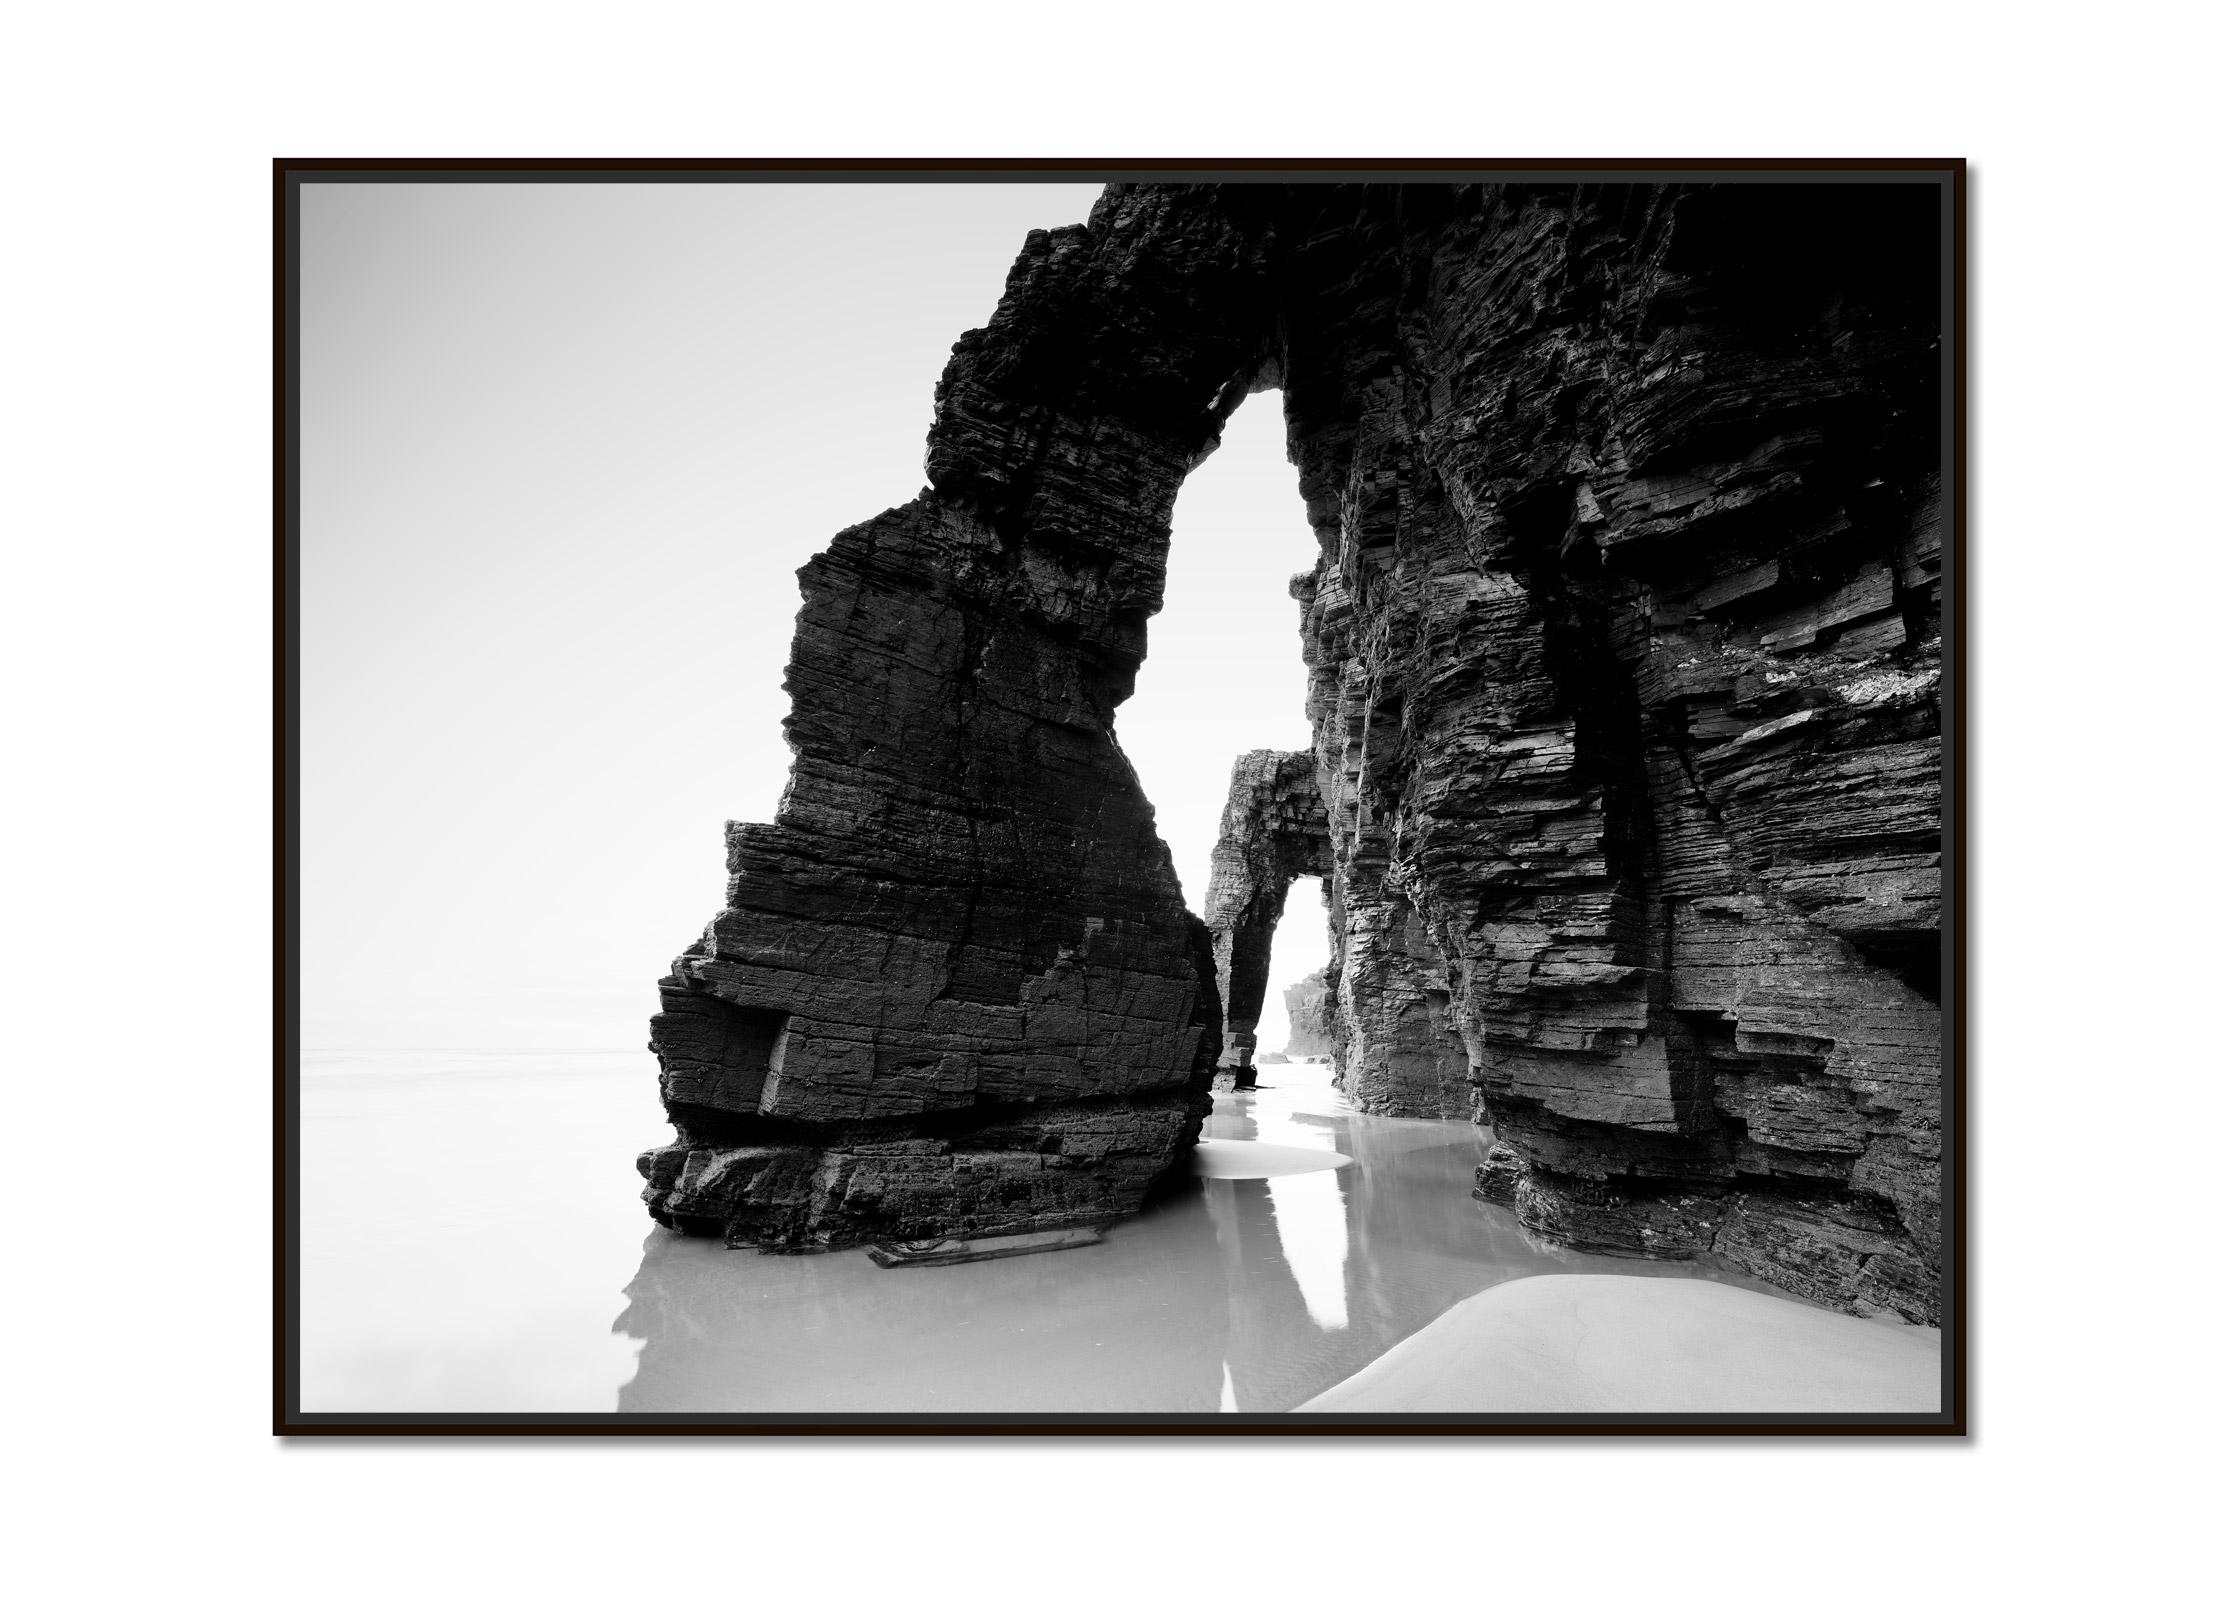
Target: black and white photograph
pixel 1279 799
pixel 1185 800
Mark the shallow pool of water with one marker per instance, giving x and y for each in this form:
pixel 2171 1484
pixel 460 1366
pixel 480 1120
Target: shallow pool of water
pixel 472 1241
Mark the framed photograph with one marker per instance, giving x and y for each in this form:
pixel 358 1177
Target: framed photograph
pixel 1084 797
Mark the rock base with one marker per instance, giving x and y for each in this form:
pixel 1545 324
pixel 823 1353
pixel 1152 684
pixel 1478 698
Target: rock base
pixel 1082 1165
pixel 956 1252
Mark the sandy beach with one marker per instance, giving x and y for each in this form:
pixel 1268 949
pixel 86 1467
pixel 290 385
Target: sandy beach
pixel 1595 1343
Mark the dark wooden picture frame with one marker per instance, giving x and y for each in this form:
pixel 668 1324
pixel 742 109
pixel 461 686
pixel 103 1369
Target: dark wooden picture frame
pixel 289 178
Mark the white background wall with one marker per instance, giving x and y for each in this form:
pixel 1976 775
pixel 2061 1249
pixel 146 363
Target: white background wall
pixel 136 498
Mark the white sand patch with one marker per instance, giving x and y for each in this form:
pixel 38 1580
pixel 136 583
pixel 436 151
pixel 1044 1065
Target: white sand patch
pixel 1251 1158
pixel 1598 1343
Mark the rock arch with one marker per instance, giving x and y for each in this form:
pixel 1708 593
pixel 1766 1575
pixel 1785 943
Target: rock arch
pixel 1273 832
pixel 1624 643
pixel 955 989
pixel 1387 996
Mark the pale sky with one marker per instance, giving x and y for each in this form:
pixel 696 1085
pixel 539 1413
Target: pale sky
pixel 563 448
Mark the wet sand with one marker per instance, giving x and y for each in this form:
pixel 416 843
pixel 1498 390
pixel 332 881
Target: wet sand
pixel 1595 1344
pixel 473 1242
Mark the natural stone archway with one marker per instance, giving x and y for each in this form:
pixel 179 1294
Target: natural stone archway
pixel 1273 832
pixel 1624 645
pixel 955 990
pixel 1397 1051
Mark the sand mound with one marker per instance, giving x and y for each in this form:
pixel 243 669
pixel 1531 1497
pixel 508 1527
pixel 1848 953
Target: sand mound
pixel 1249 1158
pixel 1598 1343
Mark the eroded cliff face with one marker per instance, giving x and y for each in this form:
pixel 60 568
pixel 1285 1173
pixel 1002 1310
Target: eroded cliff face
pixel 1306 1006
pixel 1624 646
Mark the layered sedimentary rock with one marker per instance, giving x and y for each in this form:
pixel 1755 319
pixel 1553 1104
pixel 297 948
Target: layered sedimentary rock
pixel 1306 1005
pixel 1399 1050
pixel 1384 1005
pixel 955 990
pixel 1624 647
pixel 1273 831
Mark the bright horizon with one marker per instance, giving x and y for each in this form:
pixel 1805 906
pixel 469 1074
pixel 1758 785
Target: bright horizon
pixel 564 447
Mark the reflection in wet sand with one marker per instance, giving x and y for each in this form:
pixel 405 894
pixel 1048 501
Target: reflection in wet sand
pixel 1137 1323
pixel 1311 1227
pixel 465 1242
pixel 1233 1294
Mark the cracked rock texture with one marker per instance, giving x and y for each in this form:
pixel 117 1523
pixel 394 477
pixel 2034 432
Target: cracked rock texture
pixel 1306 1004
pixel 1624 645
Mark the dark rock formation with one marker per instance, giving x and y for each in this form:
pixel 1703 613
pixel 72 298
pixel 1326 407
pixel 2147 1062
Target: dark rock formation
pixel 1307 1006
pixel 1624 645
pixel 955 990
pixel 1272 832
pixel 1397 1051
pixel 1626 652
pixel 1498 1174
